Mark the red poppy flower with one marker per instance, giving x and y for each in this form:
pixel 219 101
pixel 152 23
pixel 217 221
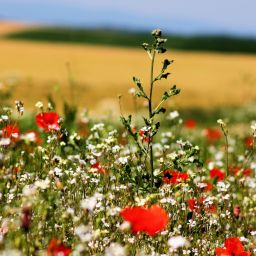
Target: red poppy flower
pixel 248 141
pixel 99 168
pixel 55 248
pixel 48 121
pixel 12 132
pixel 247 172
pixel 217 173
pixel 149 220
pixel 233 247
pixel 205 186
pixel 144 137
pixel 174 177
pixel 192 204
pixel 190 123
pixel 198 205
pixel 234 170
pixel 212 134
pixel 244 254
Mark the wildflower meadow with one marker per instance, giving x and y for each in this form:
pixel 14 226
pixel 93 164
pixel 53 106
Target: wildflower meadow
pixel 149 184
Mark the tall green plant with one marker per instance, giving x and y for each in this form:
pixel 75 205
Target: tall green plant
pixel 154 109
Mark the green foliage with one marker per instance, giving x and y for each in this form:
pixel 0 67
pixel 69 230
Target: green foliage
pixel 172 92
pixel 140 92
pixel 132 39
pixel 152 126
pixel 73 188
pixel 70 113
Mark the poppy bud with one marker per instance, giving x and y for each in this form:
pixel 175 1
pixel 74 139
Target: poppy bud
pixel 58 184
pixel 236 211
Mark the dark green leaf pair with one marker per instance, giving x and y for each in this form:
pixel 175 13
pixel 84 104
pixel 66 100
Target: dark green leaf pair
pixel 172 92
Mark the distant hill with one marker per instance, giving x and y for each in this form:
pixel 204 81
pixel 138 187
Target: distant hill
pixel 7 27
pixel 133 39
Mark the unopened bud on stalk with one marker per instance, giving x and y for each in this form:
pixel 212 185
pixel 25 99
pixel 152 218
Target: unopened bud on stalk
pixel 221 122
pixel 39 105
pixel 156 33
pixel 236 211
pixel 19 106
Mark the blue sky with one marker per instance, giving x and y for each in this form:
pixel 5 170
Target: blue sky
pixel 235 17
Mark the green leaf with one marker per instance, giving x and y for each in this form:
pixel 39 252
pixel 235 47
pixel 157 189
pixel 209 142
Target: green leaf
pixel 147 48
pixel 172 92
pixel 126 122
pixel 165 75
pixel 128 169
pixel 137 82
pixel 162 75
pixel 146 121
pixel 141 92
pixel 160 49
pixel 155 128
pixel 157 125
pixel 160 110
pixel 166 63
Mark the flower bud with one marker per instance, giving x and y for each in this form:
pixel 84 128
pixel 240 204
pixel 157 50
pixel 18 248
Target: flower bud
pixel 236 211
pixel 156 33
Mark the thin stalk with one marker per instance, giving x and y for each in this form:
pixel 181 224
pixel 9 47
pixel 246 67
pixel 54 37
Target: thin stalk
pixel 150 116
pixel 225 132
pixel 250 154
pixel 71 84
pixel 158 106
pixel 135 110
pixel 227 146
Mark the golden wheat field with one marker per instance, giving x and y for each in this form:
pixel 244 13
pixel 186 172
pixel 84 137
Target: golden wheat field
pixel 100 73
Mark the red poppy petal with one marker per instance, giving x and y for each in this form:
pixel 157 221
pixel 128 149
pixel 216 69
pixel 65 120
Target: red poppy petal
pixel 234 245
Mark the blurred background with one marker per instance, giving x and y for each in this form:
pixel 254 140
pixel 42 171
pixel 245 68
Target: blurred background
pixel 86 52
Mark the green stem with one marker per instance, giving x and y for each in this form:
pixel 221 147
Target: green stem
pixel 250 154
pixel 159 105
pixel 150 116
pixel 226 148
